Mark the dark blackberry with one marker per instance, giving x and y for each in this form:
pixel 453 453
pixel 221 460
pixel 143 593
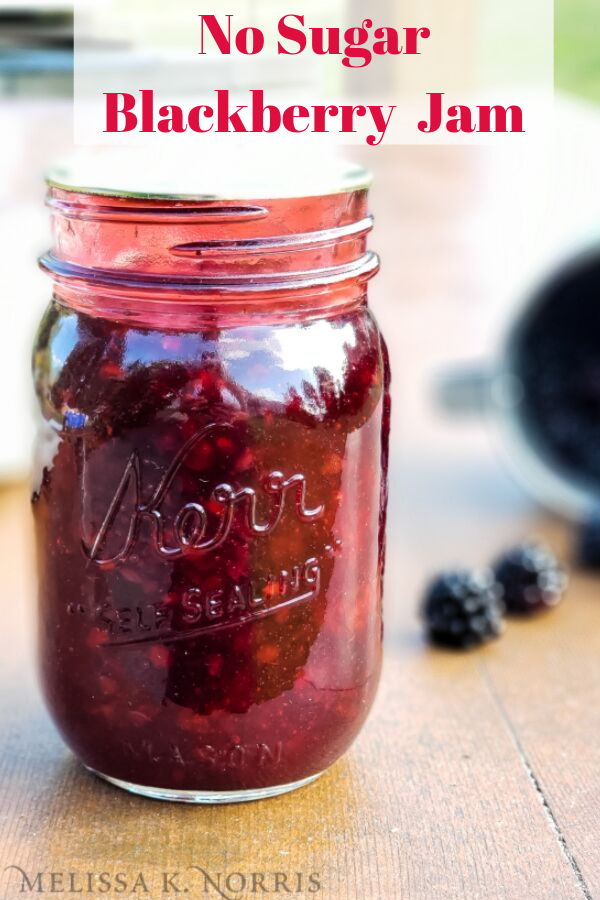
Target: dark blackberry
pixel 530 577
pixel 587 547
pixel 463 609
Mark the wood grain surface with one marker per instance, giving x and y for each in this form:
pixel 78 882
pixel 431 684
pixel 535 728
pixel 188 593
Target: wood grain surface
pixel 477 775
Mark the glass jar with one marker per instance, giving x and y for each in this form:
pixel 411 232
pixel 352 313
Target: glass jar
pixel 210 484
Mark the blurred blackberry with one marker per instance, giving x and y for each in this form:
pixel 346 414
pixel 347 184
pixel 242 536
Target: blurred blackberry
pixel 587 548
pixel 530 577
pixel 463 609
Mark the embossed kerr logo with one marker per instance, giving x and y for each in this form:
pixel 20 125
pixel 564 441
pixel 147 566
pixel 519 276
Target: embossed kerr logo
pixel 197 527
pixel 190 526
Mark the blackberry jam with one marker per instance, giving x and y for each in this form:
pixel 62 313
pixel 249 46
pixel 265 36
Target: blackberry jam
pixel 211 485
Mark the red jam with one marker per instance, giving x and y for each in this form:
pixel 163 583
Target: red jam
pixel 210 522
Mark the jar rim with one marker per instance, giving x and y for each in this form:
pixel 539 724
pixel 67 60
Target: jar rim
pixel 123 175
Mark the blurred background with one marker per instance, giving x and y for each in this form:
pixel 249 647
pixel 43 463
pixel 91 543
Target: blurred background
pixel 466 234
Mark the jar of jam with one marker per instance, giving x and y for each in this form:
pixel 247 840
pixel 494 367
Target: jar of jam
pixel 211 484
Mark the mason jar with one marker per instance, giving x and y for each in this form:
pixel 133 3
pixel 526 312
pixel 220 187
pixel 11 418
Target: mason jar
pixel 211 481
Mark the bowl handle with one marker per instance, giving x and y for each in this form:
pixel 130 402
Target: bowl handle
pixel 473 390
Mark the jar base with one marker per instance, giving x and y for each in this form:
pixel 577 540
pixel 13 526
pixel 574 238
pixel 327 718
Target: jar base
pixel 206 797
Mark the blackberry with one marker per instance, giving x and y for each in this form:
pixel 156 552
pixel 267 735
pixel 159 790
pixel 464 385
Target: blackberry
pixel 587 548
pixel 463 609
pixel 530 577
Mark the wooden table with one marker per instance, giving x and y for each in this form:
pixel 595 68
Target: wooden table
pixel 477 776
